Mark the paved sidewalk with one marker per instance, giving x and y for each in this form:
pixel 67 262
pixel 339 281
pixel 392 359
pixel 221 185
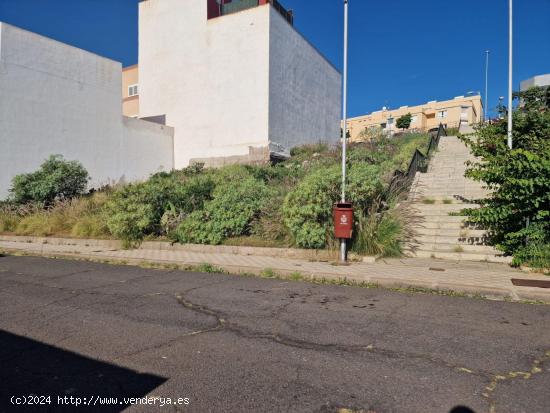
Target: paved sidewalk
pixel 488 279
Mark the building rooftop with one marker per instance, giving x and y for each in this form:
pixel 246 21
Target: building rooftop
pixel 217 8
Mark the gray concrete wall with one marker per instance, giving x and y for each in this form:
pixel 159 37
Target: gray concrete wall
pixel 58 99
pixel 304 90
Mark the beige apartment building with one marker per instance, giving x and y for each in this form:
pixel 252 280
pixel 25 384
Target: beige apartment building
pixel 461 109
pixel 130 91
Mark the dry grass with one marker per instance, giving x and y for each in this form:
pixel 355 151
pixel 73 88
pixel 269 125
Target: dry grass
pixel 387 226
pixel 80 217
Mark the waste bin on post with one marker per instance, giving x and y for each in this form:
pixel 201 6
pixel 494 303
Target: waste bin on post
pixel 342 213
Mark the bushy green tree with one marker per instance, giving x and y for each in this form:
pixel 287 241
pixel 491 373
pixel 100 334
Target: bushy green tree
pixel 518 212
pixel 56 179
pixel 404 122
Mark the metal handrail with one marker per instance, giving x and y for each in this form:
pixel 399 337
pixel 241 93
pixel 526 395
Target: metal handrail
pixel 418 163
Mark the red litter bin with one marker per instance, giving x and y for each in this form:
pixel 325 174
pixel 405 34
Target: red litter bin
pixel 342 213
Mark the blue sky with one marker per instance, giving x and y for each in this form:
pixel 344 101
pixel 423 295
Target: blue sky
pixel 401 52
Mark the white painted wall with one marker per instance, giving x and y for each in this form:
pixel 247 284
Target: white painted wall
pixel 210 77
pixel 57 99
pixel 146 148
pixel 243 80
pixel 304 90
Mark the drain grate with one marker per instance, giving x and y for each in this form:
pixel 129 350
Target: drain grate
pixel 521 282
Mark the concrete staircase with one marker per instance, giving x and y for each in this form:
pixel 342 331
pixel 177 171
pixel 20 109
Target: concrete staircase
pixel 438 195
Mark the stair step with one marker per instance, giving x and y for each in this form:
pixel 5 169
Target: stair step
pixel 444 225
pixel 452 240
pixel 457 247
pixel 441 234
pixel 451 232
pixel 439 207
pixel 456 256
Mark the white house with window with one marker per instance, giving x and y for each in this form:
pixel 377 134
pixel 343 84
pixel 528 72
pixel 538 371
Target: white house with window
pixel 133 90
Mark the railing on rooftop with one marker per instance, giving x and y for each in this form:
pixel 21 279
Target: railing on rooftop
pixel 234 6
pixel 238 5
pixel 287 14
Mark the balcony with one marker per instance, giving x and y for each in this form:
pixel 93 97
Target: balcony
pixel 217 8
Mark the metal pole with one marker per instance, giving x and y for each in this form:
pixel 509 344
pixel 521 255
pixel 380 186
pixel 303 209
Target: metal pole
pixel 510 60
pixel 344 115
pixel 486 85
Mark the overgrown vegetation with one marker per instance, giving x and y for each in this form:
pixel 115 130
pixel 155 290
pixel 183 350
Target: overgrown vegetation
pixel 518 212
pixel 56 179
pixel 286 204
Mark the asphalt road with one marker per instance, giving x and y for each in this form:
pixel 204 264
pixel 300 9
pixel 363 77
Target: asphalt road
pixel 237 344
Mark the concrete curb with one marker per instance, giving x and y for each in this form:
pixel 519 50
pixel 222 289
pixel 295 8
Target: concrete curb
pixel 512 293
pixel 292 253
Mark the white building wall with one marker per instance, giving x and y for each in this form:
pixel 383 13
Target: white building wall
pixel 57 99
pixel 146 148
pixel 304 90
pixel 540 80
pixel 209 77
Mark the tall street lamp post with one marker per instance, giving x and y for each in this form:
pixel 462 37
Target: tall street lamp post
pixel 486 85
pixel 510 60
pixel 344 115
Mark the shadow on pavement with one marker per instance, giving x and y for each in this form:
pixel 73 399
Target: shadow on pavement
pixel 461 409
pixel 29 367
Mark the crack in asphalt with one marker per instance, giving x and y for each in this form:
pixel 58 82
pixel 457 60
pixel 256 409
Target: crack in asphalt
pixel 536 368
pixel 223 324
pixel 181 300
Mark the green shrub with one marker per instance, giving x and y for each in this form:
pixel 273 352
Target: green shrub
pixel 56 179
pixel 269 225
pixel 535 255
pixel 307 210
pixel 234 205
pixel 518 211
pixel 136 210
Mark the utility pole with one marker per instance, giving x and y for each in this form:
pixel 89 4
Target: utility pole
pixel 486 85
pixel 344 115
pixel 510 66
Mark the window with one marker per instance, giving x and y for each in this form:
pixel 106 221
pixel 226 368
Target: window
pixel 383 125
pixel 442 114
pixel 132 90
pixel 390 121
